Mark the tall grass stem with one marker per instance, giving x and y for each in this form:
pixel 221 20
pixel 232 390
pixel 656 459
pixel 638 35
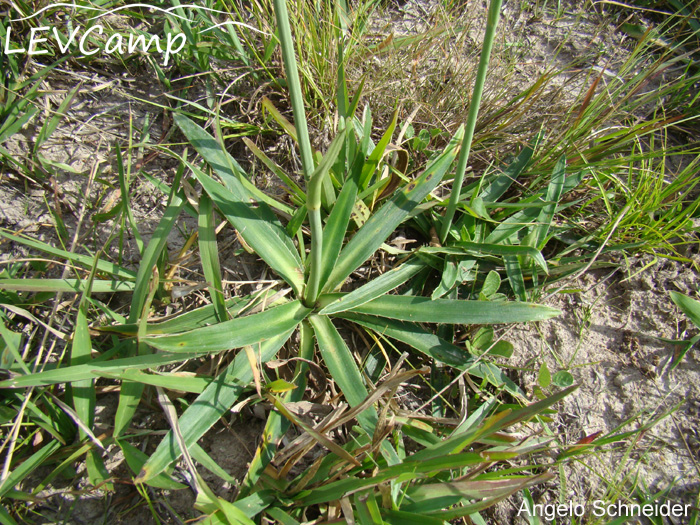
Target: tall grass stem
pixel 491 24
pixel 294 86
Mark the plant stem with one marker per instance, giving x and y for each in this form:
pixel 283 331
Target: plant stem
pixel 313 285
pixel 295 95
pixel 491 24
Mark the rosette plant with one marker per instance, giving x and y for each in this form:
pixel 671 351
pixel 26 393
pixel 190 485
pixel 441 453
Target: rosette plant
pixel 370 476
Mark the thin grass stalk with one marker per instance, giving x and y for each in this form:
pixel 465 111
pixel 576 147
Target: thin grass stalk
pixel 491 24
pixel 294 86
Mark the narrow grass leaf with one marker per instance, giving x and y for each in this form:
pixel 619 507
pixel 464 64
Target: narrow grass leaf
pixel 64 285
pixel 515 276
pixel 26 467
pixel 496 189
pixel 83 260
pixel 436 348
pixel 209 255
pixel 339 218
pixel 136 459
pixel 377 154
pixel 173 381
pixel 274 168
pixel 94 369
pixel 554 191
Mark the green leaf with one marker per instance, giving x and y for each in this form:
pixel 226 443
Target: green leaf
pixel 83 260
pixel 373 289
pixel 209 254
pixel 64 285
pixel 209 406
pixel 258 225
pixel 425 310
pixel 337 223
pixel 436 348
pixel 383 223
pixel 343 368
pixel 554 191
pixel 26 467
pixel 235 333
pixel 377 154
pixel 500 185
pixel 562 379
pixel 94 369
pixel 688 306
pixel 491 284
pixel 136 459
pixel 543 377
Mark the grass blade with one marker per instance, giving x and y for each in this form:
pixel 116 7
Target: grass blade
pixel 64 285
pixel 554 191
pixel 85 261
pixel 209 255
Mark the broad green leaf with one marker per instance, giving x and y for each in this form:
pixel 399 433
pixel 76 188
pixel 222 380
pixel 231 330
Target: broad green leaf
pixel 343 368
pixel 236 333
pixel 338 220
pixel 380 225
pixel 688 306
pixel 491 284
pixel 210 406
pixel 258 225
pixel 435 347
pixel 544 378
pixel 425 310
pixel 375 288
pixel 562 379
